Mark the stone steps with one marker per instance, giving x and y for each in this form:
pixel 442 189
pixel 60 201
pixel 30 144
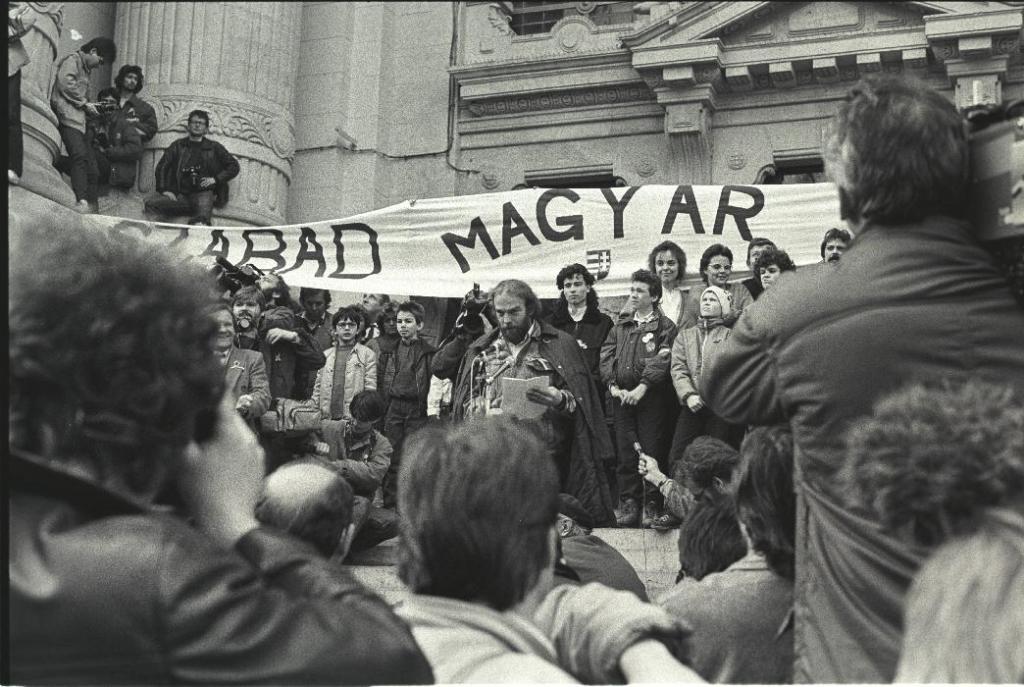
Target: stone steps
pixel 654 555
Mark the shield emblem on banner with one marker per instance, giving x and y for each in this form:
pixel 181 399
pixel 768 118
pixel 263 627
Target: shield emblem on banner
pixel 599 262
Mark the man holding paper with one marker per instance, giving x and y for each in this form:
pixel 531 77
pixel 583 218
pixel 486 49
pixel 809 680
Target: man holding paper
pixel 532 371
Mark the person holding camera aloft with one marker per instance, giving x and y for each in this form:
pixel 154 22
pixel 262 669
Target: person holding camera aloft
pixel 193 174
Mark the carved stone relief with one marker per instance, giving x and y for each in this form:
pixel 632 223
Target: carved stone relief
pixel 560 100
pixel 261 128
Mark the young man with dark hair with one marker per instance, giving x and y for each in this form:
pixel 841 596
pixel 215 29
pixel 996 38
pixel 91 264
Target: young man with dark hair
pixel 407 376
pixel 193 174
pixel 635 370
pixel 134 109
pixel 479 502
pixel 576 313
pixel 116 144
pixel 915 297
pixel 770 265
pixel 709 539
pixel 349 367
pixel 563 405
pixel 316 316
pixel 115 396
pixel 361 455
pixel 755 248
pixel 384 345
pixel 69 99
pixel 705 469
pixel 833 244
pixel 743 632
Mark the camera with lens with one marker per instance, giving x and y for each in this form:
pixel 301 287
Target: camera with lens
pixel 190 178
pixel 105 108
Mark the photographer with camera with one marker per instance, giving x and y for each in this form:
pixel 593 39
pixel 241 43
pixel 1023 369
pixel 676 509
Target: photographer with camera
pixel 116 144
pixel 193 174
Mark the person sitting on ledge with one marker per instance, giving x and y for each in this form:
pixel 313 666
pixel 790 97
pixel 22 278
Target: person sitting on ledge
pixel 193 174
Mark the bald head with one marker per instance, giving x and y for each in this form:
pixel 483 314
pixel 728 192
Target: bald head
pixel 308 500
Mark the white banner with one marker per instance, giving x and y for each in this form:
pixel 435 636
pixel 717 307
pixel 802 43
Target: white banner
pixel 442 246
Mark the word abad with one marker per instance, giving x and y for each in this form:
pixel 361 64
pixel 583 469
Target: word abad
pixel 571 227
pixel 276 249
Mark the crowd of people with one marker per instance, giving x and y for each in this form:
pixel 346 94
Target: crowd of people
pixel 104 139
pixel 841 448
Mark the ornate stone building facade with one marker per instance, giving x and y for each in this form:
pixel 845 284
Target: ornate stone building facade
pixel 339 108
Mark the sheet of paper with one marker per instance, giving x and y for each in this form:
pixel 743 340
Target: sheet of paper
pixel 514 401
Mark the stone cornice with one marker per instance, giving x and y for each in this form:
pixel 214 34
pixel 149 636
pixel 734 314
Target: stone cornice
pixel 568 99
pixel 942 27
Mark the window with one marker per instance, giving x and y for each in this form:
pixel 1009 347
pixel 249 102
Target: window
pixel 530 17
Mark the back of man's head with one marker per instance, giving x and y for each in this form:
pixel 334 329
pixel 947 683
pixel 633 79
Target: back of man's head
pixel 931 459
pixel 309 501
pixel 478 503
pixel 710 539
pixel 110 351
pixel 765 500
pixel 898 153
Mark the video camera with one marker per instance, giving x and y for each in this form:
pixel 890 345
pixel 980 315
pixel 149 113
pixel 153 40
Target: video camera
pixel 997 185
pixel 231 278
pixel 105 108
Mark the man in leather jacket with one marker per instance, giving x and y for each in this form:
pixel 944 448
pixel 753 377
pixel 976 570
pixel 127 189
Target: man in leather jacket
pixel 116 396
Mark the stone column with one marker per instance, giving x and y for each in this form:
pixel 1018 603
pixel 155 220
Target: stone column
pixel 238 61
pixel 39 123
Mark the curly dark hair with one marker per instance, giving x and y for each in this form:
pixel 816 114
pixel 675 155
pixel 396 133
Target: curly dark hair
pixel 129 69
pixel 774 256
pixel 930 459
pixel 703 460
pixel 354 313
pixel 710 539
pixel 112 351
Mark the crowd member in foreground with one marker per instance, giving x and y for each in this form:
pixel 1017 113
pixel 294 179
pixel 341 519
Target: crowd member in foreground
pixel 479 503
pixel 566 410
pixel 741 617
pixel 942 466
pixel 588 558
pixel 915 297
pixel 106 589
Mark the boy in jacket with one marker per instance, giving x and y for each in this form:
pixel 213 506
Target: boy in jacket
pixel 634 368
pixel 408 375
